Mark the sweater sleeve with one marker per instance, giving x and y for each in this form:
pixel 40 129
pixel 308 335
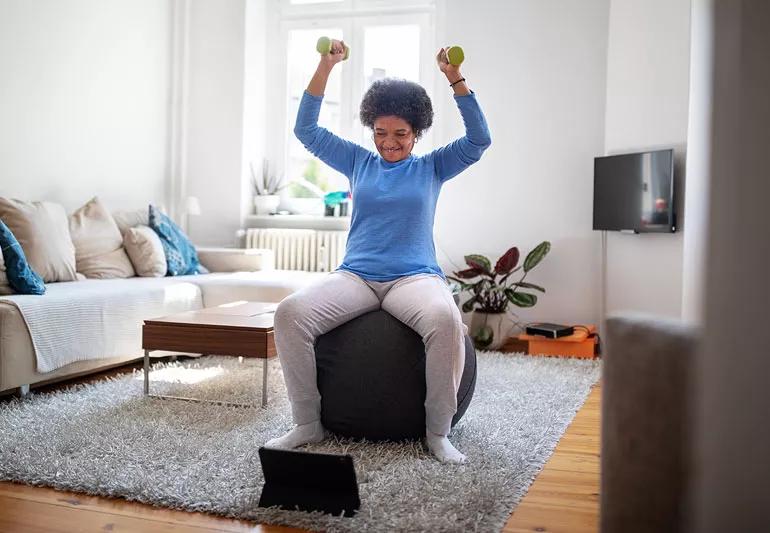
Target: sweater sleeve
pixel 458 155
pixel 332 150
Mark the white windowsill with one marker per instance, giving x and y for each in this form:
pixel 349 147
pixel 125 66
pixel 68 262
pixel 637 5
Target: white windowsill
pixel 298 221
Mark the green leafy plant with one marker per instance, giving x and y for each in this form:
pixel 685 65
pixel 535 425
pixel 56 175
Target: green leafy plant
pixel 312 184
pixel 266 183
pixel 492 290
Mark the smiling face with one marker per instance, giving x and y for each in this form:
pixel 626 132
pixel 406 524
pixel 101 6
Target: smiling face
pixel 394 138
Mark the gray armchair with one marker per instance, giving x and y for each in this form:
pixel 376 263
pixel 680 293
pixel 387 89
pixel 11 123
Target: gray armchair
pixel 647 402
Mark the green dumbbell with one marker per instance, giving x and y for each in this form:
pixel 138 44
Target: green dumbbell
pixel 455 55
pixel 324 46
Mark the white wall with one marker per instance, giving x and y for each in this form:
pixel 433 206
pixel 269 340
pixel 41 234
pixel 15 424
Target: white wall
pixel 647 105
pixel 538 69
pixel 215 118
pixel 225 113
pixel 255 100
pixel 733 435
pixel 84 88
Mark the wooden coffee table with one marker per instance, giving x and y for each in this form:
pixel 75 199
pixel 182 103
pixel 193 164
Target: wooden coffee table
pixel 243 329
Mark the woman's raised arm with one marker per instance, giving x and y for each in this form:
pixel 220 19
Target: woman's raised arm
pixel 458 155
pixel 332 150
pixel 317 84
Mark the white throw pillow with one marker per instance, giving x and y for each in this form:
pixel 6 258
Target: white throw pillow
pixel 132 218
pixel 43 231
pixel 146 252
pixel 99 251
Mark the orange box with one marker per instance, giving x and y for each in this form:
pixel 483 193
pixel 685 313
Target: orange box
pixel 579 344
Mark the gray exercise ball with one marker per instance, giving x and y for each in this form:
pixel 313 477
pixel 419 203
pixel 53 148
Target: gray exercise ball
pixel 371 376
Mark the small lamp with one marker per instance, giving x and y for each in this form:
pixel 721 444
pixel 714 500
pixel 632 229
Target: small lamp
pixel 192 207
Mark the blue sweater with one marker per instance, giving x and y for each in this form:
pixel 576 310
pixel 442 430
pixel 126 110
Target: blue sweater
pixel 394 204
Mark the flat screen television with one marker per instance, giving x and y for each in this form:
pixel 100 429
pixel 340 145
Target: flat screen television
pixel 635 192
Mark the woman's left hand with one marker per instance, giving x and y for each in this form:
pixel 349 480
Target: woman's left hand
pixel 452 72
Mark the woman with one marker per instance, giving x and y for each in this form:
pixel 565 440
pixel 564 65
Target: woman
pixel 390 260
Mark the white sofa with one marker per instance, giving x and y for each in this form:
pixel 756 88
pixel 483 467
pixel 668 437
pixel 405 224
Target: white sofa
pixel 18 361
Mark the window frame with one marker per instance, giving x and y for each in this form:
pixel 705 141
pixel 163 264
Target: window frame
pixel 352 16
pixel 353 7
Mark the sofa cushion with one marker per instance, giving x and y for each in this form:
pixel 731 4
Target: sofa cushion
pixel 87 340
pixel 259 286
pixel 18 365
pixel 126 219
pixel 99 251
pixel 108 321
pixel 181 257
pixel 21 278
pixel 145 251
pixel 43 233
pixel 131 218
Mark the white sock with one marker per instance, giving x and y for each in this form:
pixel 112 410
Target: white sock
pixel 302 434
pixel 440 446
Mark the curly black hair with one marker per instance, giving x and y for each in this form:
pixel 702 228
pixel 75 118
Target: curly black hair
pixel 401 98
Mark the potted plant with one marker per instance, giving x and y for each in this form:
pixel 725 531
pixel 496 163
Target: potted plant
pixel 493 290
pixel 306 192
pixel 266 188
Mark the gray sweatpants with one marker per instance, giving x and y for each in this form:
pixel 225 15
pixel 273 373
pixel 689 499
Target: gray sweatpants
pixel 423 302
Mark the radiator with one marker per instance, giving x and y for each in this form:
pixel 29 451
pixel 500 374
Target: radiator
pixel 301 249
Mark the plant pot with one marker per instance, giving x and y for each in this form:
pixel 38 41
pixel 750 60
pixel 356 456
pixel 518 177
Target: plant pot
pixel 266 204
pixel 304 206
pixel 500 324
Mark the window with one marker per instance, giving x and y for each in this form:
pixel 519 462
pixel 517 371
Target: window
pixel 299 162
pixel 386 55
pixel 384 41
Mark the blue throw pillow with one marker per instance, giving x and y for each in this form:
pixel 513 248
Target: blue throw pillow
pixel 21 277
pixel 181 257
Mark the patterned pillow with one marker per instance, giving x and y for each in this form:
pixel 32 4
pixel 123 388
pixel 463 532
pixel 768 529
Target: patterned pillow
pixel 181 257
pixel 5 289
pixel 21 277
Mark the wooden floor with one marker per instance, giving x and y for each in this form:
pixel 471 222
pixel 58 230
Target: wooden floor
pixel 564 497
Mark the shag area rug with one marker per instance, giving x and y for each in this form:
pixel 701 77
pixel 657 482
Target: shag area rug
pixel 106 439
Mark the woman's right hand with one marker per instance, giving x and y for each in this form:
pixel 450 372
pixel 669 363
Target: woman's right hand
pixel 336 54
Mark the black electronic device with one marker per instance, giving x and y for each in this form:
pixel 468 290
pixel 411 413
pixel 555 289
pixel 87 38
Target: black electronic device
pixel 552 331
pixel 634 193
pixel 306 481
